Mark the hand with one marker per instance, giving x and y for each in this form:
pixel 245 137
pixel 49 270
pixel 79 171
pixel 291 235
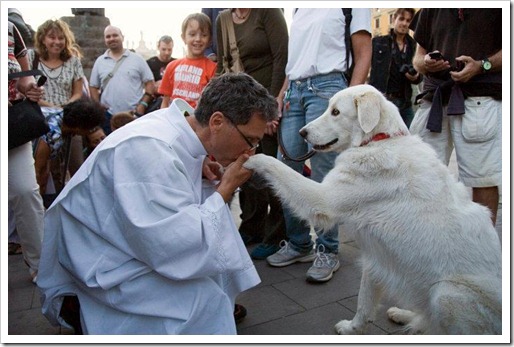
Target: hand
pixel 471 69
pixel 233 177
pixel 412 78
pixel 271 127
pixel 212 170
pixel 33 92
pixel 140 109
pixel 435 65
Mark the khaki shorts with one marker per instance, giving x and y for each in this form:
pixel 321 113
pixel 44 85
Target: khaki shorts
pixel 476 136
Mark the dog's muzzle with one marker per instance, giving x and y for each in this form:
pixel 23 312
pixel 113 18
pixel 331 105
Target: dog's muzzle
pixel 304 133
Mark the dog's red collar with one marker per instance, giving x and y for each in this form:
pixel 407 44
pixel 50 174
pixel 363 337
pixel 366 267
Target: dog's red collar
pixel 379 137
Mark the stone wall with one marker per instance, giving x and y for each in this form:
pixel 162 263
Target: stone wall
pixel 88 27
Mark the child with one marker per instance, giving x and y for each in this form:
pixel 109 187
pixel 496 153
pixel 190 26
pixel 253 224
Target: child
pixel 185 78
pixel 120 119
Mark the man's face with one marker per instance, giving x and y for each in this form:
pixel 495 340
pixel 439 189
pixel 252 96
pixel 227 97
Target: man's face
pixel 113 38
pixel 231 141
pixel 165 50
pixel 402 22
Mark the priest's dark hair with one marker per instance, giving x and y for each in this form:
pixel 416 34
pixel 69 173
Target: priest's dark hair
pixel 238 96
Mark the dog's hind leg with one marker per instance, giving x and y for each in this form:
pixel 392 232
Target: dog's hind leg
pixel 414 323
pixel 369 296
pixel 463 307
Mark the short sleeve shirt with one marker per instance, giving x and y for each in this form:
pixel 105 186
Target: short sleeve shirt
pixel 186 78
pixel 59 85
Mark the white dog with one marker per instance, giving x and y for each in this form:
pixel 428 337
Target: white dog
pixel 424 243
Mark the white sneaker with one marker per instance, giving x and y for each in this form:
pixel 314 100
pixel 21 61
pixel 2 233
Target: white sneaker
pixel 286 256
pixel 324 266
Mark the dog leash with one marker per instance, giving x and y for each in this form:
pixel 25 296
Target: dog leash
pixel 285 154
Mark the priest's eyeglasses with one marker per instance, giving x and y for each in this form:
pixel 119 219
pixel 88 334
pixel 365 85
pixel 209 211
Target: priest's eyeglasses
pixel 252 146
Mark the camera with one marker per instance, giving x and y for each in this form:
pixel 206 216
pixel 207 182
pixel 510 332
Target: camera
pixel 408 68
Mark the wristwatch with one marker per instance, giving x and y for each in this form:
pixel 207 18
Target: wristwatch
pixel 486 65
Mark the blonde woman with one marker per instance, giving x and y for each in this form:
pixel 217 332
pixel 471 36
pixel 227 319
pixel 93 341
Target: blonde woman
pixel 58 56
pixel 59 59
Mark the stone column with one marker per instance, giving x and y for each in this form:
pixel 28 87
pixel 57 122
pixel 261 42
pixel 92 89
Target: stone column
pixel 88 26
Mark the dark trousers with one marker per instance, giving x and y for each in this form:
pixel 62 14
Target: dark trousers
pixel 262 217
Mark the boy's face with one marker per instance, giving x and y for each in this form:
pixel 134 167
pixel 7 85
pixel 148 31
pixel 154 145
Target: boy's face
pixel 195 39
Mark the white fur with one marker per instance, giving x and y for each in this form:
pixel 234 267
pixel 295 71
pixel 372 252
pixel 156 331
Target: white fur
pixel 424 243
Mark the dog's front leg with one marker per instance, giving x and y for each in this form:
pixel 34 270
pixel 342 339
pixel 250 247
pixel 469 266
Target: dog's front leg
pixel 305 197
pixel 368 297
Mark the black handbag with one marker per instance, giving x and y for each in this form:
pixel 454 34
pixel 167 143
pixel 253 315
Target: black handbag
pixel 26 121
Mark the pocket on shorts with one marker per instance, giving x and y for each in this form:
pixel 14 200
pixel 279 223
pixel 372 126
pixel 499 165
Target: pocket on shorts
pixel 480 122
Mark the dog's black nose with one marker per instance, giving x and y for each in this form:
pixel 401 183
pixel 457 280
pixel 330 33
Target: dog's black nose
pixel 303 133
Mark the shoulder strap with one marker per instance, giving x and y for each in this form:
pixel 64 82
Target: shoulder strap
pixel 224 35
pixel 347 37
pixel 35 62
pixel 107 78
pixel 34 72
pixel 228 33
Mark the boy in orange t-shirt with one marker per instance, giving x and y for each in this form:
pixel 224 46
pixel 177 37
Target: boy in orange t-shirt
pixel 185 78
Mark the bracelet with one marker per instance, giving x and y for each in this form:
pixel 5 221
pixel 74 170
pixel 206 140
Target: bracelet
pixel 143 103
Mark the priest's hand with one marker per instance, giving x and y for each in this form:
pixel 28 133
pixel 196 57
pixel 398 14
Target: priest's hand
pixel 233 177
pixel 212 170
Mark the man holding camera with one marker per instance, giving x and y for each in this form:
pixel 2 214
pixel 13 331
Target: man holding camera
pixel 391 66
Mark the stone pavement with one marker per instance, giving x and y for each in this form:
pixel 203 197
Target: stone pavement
pixel 283 304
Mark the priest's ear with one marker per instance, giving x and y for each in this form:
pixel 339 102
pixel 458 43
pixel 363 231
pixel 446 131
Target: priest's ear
pixel 217 121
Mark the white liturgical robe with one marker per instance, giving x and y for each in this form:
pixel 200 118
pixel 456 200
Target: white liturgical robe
pixel 146 245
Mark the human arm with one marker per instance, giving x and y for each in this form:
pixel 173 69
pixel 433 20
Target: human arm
pixel 362 51
pixel 233 177
pixel 473 67
pixel 424 64
pixel 146 99
pixel 76 92
pixel 94 92
pixel 27 85
pixel 165 101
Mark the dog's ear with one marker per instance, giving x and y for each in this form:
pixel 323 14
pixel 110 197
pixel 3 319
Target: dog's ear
pixel 368 110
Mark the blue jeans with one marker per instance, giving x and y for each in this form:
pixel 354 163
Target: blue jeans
pixel 305 101
pixel 405 108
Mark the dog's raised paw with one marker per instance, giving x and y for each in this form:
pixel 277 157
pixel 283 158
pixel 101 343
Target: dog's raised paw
pixel 256 162
pixel 344 327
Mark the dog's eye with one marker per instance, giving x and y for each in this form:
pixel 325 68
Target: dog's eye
pixel 335 112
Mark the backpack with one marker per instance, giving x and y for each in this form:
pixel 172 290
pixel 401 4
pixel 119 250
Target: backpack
pixel 347 42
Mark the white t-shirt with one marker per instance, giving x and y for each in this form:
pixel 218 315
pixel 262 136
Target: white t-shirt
pixel 316 40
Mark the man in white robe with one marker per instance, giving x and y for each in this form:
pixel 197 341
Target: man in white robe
pixel 145 244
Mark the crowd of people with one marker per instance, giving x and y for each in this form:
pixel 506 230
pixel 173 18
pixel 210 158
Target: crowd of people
pixel 142 164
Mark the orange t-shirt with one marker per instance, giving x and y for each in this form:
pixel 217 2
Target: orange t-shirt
pixel 185 78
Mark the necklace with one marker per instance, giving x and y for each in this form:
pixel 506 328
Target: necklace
pixel 241 17
pixel 50 73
